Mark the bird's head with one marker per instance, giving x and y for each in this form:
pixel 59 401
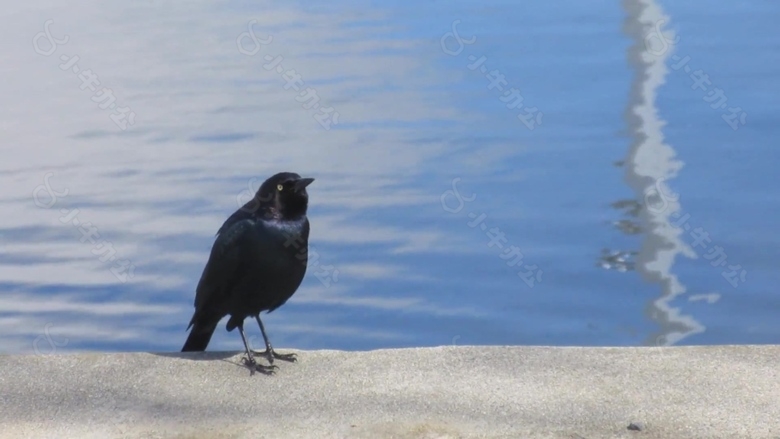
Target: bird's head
pixel 283 196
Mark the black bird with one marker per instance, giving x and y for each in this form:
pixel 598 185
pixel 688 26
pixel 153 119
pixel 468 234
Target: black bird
pixel 257 262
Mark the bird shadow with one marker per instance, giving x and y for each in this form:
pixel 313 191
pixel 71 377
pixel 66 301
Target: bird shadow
pixel 204 356
pixel 225 356
pixel 199 356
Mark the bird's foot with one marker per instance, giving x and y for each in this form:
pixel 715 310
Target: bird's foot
pixel 253 366
pixel 270 354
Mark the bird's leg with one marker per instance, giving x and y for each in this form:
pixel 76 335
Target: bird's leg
pixel 269 350
pixel 249 360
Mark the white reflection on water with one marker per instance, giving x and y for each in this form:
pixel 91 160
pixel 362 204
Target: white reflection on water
pixel 649 165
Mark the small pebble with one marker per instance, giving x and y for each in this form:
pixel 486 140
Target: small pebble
pixel 636 426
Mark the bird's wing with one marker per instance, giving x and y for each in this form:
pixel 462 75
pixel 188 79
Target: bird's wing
pixel 245 212
pixel 225 263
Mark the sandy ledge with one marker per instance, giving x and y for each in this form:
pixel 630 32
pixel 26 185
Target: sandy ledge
pixel 432 393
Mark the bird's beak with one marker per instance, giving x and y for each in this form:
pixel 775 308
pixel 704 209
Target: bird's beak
pixel 302 183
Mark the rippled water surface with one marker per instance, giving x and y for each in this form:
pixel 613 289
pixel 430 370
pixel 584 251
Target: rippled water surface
pixel 624 210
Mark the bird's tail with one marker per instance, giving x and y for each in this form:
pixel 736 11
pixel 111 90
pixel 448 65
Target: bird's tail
pixel 199 337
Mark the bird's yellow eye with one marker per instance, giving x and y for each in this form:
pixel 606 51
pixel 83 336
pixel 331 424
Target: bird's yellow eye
pixel 279 187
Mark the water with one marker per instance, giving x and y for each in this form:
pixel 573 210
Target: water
pixel 577 195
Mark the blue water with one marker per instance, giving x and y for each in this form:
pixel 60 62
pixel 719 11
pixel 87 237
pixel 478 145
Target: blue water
pixel 401 259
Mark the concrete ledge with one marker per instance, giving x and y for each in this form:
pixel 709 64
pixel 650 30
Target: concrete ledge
pixel 447 392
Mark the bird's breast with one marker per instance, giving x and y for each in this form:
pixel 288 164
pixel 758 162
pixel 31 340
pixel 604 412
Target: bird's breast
pixel 289 245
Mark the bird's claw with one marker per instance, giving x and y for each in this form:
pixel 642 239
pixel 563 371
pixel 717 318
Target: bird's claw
pixel 291 357
pixel 254 367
